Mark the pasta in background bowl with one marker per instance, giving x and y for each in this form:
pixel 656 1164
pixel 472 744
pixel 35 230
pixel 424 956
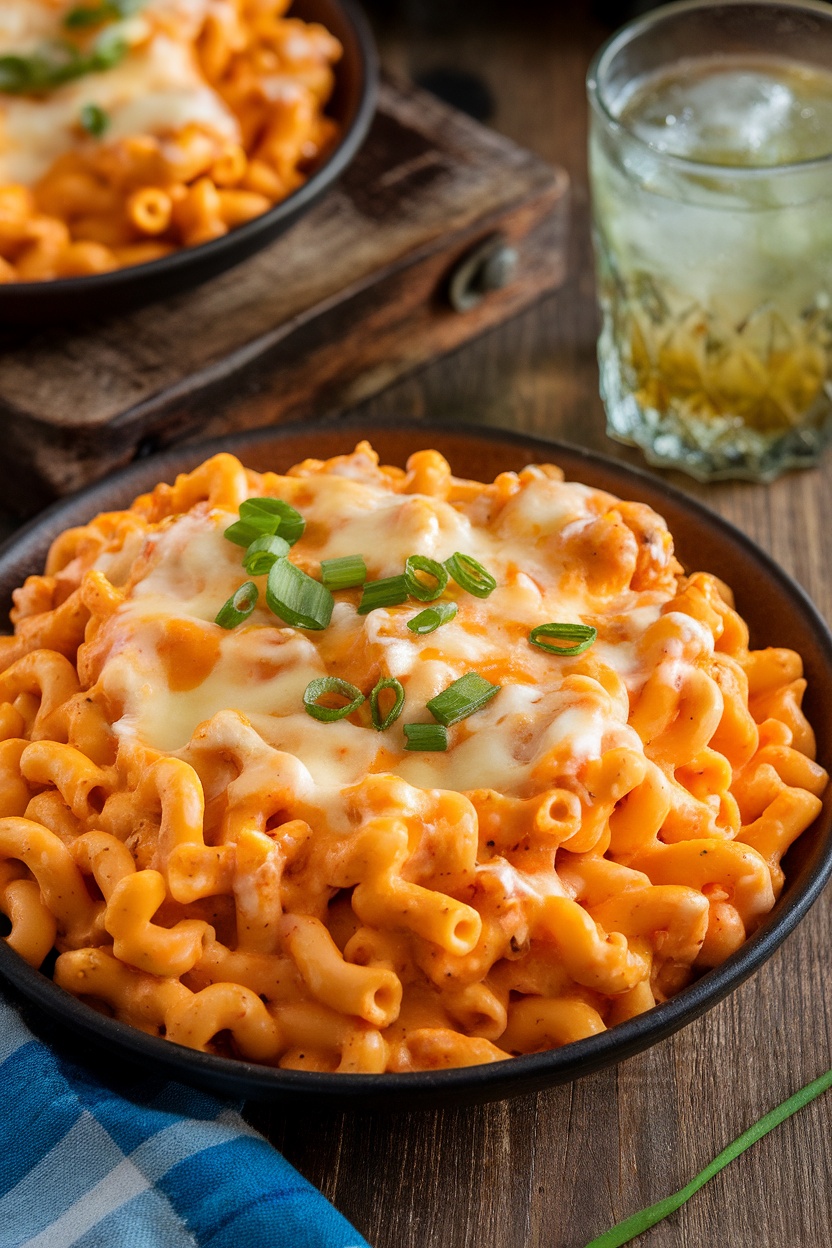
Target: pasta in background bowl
pixel 247 877
pixel 145 146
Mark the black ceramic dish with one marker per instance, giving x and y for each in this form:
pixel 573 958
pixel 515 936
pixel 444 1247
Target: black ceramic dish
pixel 777 610
pixel 102 294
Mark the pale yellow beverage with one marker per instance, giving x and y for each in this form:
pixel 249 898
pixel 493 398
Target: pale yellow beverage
pixel 712 189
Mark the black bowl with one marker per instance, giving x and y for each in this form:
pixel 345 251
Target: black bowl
pixel 777 610
pixel 102 294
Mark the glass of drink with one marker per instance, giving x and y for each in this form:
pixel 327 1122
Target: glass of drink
pixel 711 171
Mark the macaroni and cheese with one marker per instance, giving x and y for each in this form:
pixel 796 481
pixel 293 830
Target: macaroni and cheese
pixel 365 769
pixel 131 128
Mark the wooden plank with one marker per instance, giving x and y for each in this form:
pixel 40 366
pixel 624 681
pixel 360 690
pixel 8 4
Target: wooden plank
pixel 353 297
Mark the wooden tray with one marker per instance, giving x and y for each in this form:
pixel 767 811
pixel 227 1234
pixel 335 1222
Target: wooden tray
pixel 355 295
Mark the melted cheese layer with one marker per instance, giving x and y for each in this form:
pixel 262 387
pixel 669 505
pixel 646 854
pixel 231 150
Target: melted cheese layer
pixel 157 89
pixel 261 669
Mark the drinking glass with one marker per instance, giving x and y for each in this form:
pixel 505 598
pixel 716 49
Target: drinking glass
pixel 711 174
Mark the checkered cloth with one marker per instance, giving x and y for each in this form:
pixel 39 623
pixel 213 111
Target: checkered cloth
pixel 151 1165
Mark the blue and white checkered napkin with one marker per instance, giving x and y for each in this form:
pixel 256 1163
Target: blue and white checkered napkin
pixel 158 1166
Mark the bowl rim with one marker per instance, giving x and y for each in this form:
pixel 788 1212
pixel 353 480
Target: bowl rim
pixel 184 257
pixel 494 1080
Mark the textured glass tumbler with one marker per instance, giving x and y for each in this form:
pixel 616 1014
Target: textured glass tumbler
pixel 711 176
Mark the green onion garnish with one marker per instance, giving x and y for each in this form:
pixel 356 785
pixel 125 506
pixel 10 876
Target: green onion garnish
pixel 417 588
pixel 262 553
pixel 239 606
pixel 93 15
pixel 265 517
pixel 582 635
pixel 395 711
pixel 462 698
pixel 388 592
pixel 331 684
pixel 295 598
pixel 470 575
pixel 59 62
pixel 243 534
pixel 272 515
pixel 426 737
pixel 640 1222
pixel 94 120
pixel 429 620
pixel 345 573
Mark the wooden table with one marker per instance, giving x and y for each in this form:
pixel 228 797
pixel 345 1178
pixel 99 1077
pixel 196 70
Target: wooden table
pixel 553 1170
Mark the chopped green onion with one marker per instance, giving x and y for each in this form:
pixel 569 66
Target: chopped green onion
pixel 295 598
pixel 59 62
pixel 239 606
pixel 94 120
pixel 262 553
pixel 272 515
pixel 429 620
pixel 393 714
pixel 390 591
pixel 93 15
pixel 108 50
pixel 331 684
pixel 582 635
pixel 470 575
pixel 426 737
pixel 241 533
pixel 462 698
pixel 418 589
pixel 627 1230
pixel 345 573
pixel 265 517
pixel 83 16
pixel 22 74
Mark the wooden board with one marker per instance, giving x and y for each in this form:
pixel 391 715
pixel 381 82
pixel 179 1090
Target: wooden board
pixel 353 297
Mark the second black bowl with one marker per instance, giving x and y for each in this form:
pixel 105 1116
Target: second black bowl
pixel 352 106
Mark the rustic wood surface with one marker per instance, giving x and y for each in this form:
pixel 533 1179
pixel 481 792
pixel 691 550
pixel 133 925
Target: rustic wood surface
pixel 353 297
pixel 553 1170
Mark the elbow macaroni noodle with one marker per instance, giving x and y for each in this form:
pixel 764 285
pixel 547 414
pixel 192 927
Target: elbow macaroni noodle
pixel 216 866
pixel 215 114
